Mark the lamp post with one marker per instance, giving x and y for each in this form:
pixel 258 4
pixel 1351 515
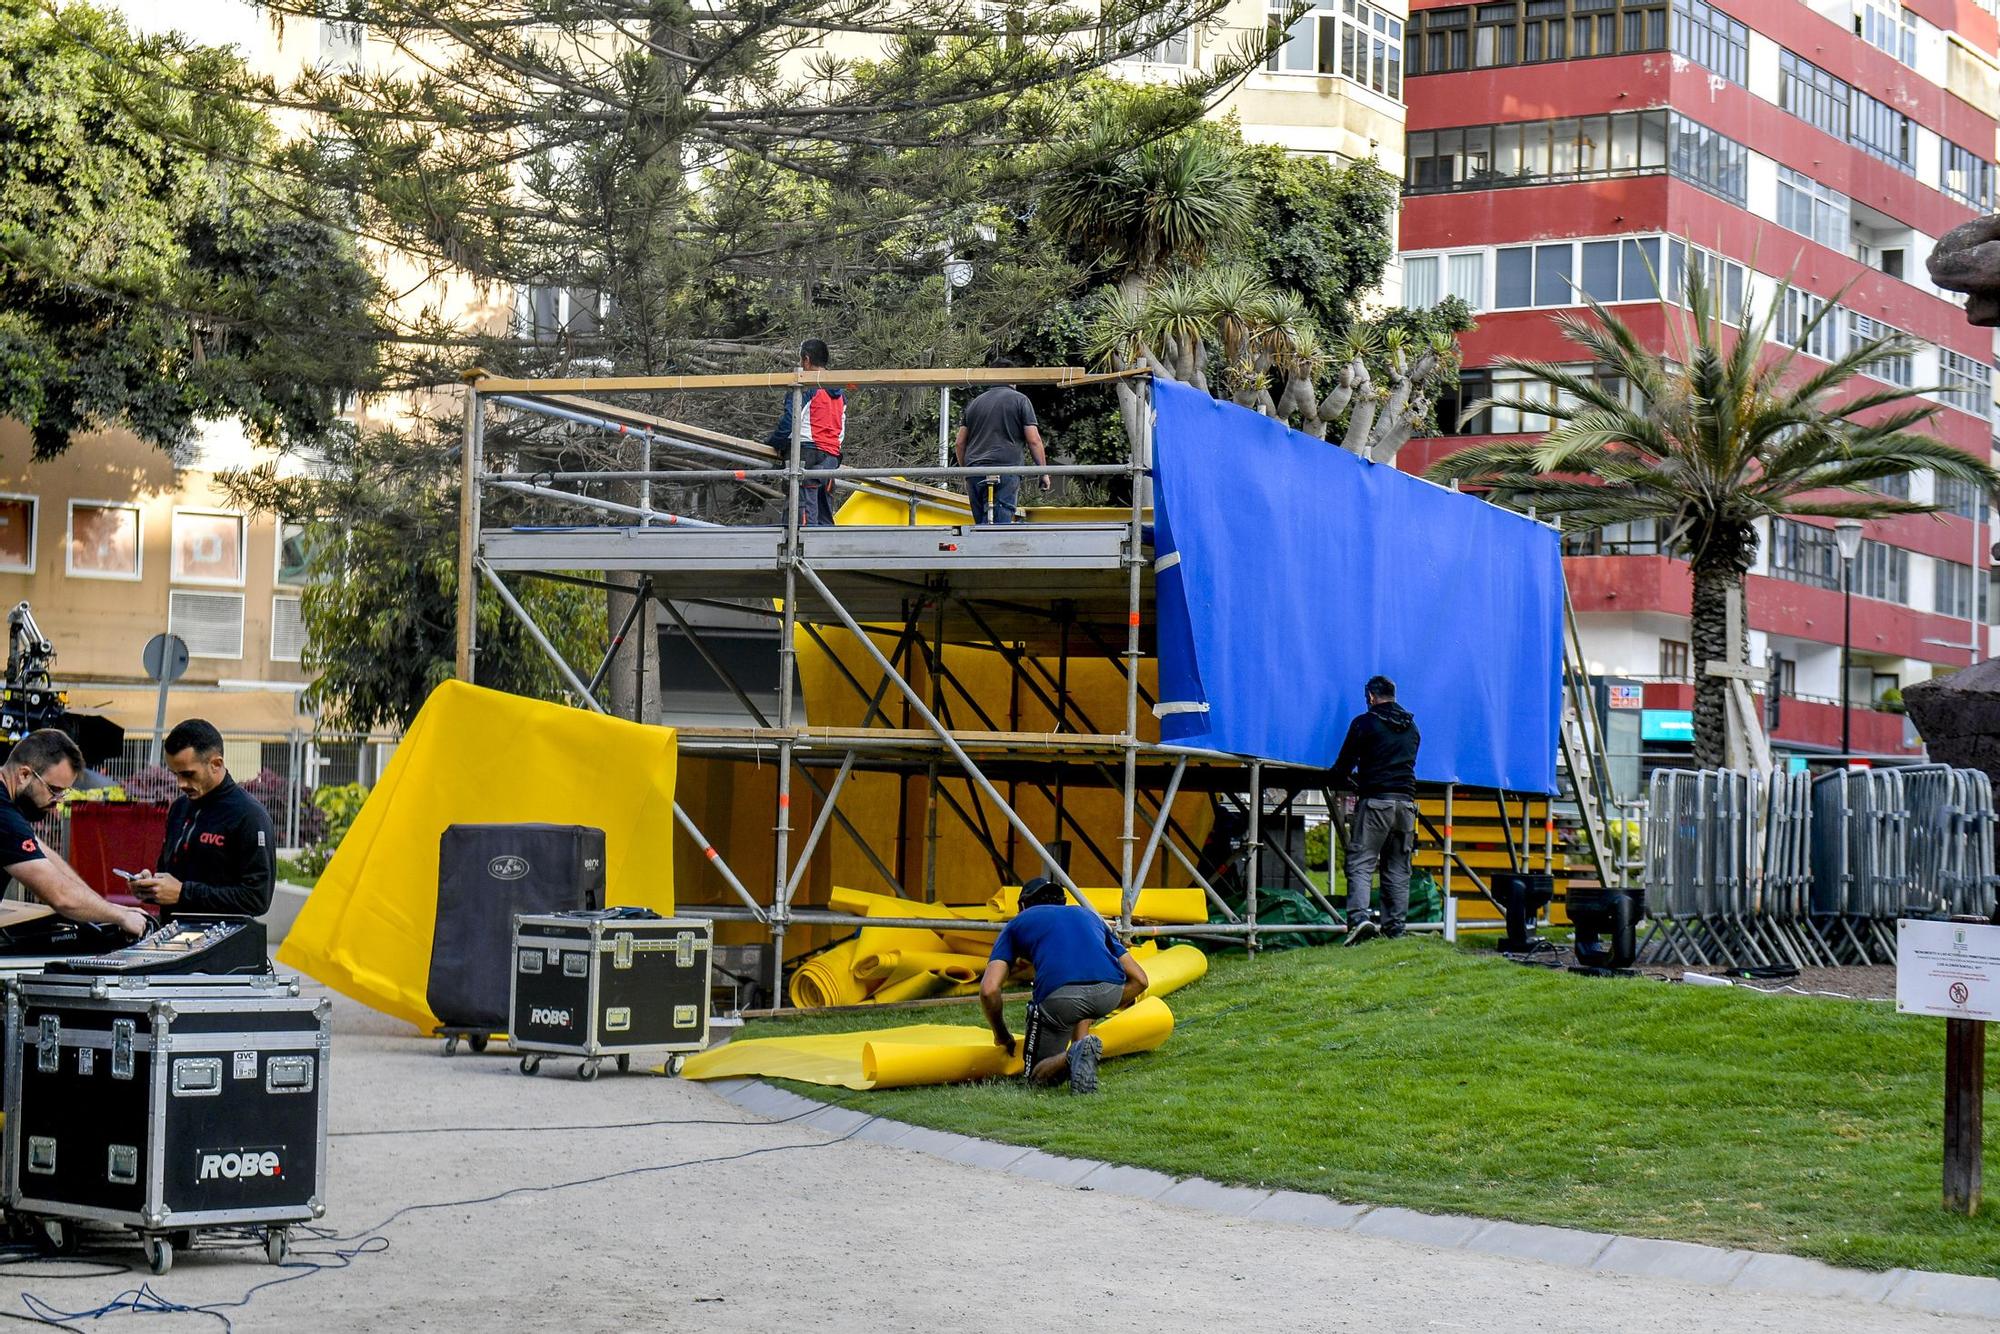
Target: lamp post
pixel 1847 536
pixel 957 274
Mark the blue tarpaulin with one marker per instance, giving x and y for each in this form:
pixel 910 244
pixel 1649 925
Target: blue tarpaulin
pixel 1289 571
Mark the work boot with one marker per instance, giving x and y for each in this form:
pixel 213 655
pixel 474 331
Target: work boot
pixel 1083 1058
pixel 1365 929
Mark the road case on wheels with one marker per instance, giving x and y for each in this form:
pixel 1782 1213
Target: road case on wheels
pixel 610 983
pixel 168 1105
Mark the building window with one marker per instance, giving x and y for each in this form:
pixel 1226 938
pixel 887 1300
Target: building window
pixel 208 547
pixel 1637 538
pixel 1715 162
pixel 288 630
pixel 1156 40
pixel 1953 588
pixel 292 552
pixel 1897 365
pixel 103 541
pixel 1726 280
pixel 1486 157
pixel 1813 210
pixel 210 623
pixel 1804 554
pixel 18 531
pixel 1813 95
pixel 1482 36
pixel 1420 281
pixel 1711 39
pixel 550 313
pixel 1881 130
pixel 1968 383
pixel 1968 177
pixel 1560 274
pixel 1809 323
pixel 1959 497
pixel 1674 661
pixel 1896 486
pixel 1349 38
pixel 1882 571
pixel 1788 676
pixel 1887 26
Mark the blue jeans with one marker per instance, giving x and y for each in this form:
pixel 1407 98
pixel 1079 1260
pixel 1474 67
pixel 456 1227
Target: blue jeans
pixel 993 498
pixel 816 498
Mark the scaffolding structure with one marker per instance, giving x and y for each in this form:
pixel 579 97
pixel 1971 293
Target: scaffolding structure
pixel 1040 595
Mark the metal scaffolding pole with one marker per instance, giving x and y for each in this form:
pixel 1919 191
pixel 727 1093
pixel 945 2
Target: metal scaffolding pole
pixel 1254 867
pixel 787 670
pixel 466 656
pixel 1135 560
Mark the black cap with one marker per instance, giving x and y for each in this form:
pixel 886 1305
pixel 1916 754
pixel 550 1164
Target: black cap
pixel 1039 891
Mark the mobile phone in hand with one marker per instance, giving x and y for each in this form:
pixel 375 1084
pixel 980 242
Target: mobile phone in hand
pixel 122 875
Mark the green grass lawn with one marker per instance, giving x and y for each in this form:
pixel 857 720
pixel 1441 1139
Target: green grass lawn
pixel 1418 1074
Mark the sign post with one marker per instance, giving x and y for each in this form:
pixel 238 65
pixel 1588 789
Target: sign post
pixel 166 661
pixel 1952 969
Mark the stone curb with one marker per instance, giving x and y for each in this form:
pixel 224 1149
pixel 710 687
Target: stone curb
pixel 1603 1252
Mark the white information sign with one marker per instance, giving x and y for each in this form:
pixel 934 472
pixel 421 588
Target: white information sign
pixel 1948 968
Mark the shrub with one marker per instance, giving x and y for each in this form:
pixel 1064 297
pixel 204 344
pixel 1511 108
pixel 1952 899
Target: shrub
pixel 337 804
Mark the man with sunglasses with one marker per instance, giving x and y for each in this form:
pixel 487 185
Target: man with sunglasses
pixel 39 769
pixel 221 855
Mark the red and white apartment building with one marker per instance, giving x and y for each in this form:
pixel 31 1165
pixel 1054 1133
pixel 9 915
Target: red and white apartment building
pixel 1564 144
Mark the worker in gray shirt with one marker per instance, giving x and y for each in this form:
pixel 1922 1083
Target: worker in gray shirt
pixel 995 427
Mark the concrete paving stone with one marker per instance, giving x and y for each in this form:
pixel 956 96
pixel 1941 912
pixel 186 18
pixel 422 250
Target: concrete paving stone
pixel 1053 1168
pixel 1796 1276
pixel 1527 1241
pixel 986 1153
pixel 940 1142
pixel 1442 1230
pixel 727 1088
pixel 836 1120
pixel 1213 1196
pixel 1946 1294
pixel 1139 1183
pixel 1298 1206
pixel 1685 1260
pixel 883 1131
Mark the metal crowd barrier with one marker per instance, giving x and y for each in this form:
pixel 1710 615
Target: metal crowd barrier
pixel 1745 871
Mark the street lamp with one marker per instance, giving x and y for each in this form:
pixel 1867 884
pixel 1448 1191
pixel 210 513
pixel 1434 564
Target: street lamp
pixel 1847 536
pixel 957 274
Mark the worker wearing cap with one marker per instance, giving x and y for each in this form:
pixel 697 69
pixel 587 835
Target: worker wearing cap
pixel 1083 973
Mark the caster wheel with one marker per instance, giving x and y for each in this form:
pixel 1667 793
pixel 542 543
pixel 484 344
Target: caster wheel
pixel 675 1064
pixel 478 1043
pixel 624 1065
pixel 530 1064
pixel 159 1254
pixel 451 1046
pixel 586 1071
pixel 277 1245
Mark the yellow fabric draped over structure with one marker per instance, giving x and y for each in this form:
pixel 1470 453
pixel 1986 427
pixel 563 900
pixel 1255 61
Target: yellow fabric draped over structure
pixel 476 756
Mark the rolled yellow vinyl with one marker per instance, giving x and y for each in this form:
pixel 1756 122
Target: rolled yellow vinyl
pixel 827 979
pixel 1170 970
pixel 893 1064
pixel 915 986
pixel 1164 906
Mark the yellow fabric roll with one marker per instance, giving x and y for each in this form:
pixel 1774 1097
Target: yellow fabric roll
pixel 911 1055
pixel 1161 906
pixel 911 986
pixel 366 929
pixel 1170 970
pixel 899 964
pixel 827 979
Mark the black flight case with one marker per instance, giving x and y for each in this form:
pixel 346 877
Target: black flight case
pixel 609 983
pixel 167 1105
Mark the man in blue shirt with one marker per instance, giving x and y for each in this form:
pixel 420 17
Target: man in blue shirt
pixel 1082 974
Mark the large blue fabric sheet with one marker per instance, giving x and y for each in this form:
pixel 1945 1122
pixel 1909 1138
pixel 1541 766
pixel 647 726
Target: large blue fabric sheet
pixel 1289 571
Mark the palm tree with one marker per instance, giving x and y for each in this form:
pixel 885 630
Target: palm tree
pixel 1721 436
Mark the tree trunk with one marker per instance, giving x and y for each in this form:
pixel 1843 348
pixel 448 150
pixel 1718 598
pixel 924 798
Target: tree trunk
pixel 1709 634
pixel 629 696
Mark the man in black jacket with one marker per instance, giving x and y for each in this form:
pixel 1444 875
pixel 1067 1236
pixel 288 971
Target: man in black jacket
pixel 221 853
pixel 1378 760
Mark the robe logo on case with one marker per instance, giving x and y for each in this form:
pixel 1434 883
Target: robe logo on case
pixel 239 1164
pixel 550 1018
pixel 508 867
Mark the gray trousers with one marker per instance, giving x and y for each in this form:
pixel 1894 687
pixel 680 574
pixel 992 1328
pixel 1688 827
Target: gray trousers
pixel 1382 832
pixel 1051 1022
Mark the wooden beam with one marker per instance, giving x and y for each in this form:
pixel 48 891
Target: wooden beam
pixel 1047 376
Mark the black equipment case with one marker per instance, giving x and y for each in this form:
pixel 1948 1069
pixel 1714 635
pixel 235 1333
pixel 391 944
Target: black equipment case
pixel 488 874
pixel 166 1105
pixel 608 984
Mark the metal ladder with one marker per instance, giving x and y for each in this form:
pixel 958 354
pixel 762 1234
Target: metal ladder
pixel 1585 763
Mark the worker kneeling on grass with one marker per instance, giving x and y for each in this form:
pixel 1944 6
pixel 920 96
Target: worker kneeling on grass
pixel 1082 974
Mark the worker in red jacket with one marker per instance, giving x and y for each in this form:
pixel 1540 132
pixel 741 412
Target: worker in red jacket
pixel 825 426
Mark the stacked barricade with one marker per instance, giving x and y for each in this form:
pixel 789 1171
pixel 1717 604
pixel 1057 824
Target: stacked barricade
pixel 1748 871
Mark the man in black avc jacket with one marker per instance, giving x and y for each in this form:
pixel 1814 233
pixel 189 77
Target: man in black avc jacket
pixel 221 855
